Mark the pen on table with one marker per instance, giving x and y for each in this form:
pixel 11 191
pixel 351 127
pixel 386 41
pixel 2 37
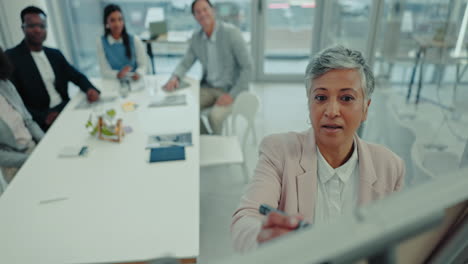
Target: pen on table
pixel 58 199
pixel 266 209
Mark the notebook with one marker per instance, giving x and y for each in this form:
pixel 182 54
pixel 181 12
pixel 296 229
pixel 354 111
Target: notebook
pixel 167 154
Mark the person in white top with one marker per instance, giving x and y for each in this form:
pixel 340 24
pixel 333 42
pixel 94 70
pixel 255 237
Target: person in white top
pixel 120 54
pixel 41 74
pixel 321 173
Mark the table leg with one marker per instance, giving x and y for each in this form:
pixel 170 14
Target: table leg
pixel 416 61
pixel 458 76
pixel 421 75
pixel 149 50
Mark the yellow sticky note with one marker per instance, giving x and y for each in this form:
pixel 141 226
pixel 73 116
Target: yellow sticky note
pixel 128 106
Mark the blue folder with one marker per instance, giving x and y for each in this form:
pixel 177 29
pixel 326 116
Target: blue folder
pixel 167 154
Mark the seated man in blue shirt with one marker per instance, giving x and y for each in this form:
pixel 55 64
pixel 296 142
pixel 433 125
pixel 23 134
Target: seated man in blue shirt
pixel 225 60
pixel 41 74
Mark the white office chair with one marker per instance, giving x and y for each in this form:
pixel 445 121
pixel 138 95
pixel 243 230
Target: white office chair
pixel 218 150
pixel 204 118
pixel 400 139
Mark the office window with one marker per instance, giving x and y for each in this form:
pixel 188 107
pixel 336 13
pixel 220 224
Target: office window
pixel 85 25
pixel 348 24
pixel 287 35
pixel 404 27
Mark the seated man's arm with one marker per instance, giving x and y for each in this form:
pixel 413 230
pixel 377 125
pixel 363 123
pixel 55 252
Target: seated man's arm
pixel 244 62
pixel 77 77
pixel 186 63
pixel 264 188
pixel 48 117
pixel 40 116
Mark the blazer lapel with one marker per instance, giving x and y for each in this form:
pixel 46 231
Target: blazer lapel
pixel 367 190
pixel 34 76
pixel 307 182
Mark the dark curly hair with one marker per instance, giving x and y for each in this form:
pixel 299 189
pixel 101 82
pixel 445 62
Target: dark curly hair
pixel 31 10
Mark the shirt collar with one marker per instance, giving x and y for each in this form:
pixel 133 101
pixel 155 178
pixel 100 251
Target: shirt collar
pixel 344 172
pixel 112 40
pixel 213 35
pixel 38 53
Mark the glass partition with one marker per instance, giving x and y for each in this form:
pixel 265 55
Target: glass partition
pixel 85 25
pixel 419 106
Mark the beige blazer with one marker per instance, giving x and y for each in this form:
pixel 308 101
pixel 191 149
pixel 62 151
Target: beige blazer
pixel 286 177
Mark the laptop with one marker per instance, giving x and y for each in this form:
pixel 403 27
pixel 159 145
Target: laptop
pixel 157 28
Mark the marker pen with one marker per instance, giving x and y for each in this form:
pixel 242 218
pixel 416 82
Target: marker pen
pixel 266 209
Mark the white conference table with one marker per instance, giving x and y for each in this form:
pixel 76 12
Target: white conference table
pixel 111 206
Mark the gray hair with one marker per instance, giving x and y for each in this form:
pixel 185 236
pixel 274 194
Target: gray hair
pixel 339 57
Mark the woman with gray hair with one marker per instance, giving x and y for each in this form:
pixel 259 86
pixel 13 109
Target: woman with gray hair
pixel 319 174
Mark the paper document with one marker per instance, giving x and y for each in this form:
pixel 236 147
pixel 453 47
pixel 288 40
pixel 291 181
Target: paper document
pixel 84 104
pixel 177 139
pixel 182 84
pixel 170 100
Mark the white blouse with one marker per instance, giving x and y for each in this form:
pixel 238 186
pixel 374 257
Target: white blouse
pixel 106 69
pixel 337 189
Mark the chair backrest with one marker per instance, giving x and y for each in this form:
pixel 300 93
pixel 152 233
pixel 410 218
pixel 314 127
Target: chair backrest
pixel 464 157
pixel 3 183
pixel 400 139
pixel 245 105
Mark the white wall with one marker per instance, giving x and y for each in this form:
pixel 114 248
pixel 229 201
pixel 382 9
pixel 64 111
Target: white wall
pixel 10 22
